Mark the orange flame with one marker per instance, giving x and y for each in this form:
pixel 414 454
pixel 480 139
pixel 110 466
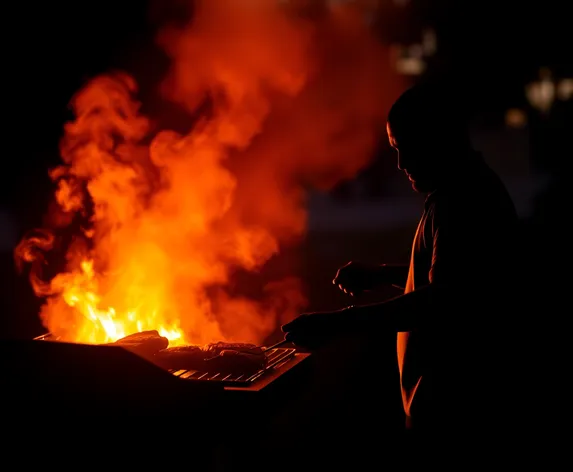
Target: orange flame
pixel 162 220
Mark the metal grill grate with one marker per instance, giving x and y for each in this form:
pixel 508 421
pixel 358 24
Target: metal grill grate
pixel 275 358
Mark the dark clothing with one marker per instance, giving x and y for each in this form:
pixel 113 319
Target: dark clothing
pixel 465 242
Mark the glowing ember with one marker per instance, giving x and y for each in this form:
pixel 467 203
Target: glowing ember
pixel 162 220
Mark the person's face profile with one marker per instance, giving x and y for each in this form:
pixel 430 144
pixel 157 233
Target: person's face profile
pixel 415 154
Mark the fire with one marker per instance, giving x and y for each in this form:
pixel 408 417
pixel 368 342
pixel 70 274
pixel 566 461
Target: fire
pixel 81 293
pixel 154 224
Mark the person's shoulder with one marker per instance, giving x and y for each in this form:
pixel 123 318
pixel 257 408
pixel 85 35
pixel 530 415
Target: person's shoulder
pixel 443 210
pixel 448 199
pixel 460 202
pixel 479 186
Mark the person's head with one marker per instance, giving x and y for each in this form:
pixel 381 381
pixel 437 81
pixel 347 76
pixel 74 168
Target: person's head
pixel 427 127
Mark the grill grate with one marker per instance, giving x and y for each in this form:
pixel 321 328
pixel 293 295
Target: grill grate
pixel 275 359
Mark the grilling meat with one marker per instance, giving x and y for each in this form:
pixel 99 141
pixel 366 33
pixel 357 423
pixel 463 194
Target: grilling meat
pixel 145 344
pixel 217 357
pixel 181 357
pixel 220 357
pixel 236 357
pixel 251 349
pixel 232 360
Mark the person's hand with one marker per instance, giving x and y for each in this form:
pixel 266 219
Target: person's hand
pixel 356 277
pixel 310 330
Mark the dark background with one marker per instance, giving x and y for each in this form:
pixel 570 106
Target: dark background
pixel 494 48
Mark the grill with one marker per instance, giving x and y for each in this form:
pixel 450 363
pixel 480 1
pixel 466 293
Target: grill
pixel 276 359
pixel 110 381
pixel 280 360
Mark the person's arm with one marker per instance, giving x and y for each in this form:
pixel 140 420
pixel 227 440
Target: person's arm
pixel 394 274
pixel 402 313
pixel 456 258
pixel 398 314
pixel 463 273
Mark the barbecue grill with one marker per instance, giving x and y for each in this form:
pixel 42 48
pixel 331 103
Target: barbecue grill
pixel 279 361
pixel 111 377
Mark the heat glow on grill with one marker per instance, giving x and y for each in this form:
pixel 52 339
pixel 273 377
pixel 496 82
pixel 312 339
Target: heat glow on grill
pixel 275 358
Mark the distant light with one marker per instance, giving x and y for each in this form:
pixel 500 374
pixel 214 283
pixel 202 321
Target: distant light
pixel 515 118
pixel 408 60
pixel 565 89
pixel 429 42
pixel 542 93
pixel 410 66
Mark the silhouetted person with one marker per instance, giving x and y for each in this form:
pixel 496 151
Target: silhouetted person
pixel 452 318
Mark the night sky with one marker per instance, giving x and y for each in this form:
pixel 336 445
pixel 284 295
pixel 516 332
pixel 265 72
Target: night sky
pixel 56 46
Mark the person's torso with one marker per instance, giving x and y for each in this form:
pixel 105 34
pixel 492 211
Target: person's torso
pixel 480 200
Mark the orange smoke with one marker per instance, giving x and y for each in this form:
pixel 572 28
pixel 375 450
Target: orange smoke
pixel 160 222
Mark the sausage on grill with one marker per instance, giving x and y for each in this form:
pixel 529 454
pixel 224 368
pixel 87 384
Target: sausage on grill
pixel 216 357
pixel 220 357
